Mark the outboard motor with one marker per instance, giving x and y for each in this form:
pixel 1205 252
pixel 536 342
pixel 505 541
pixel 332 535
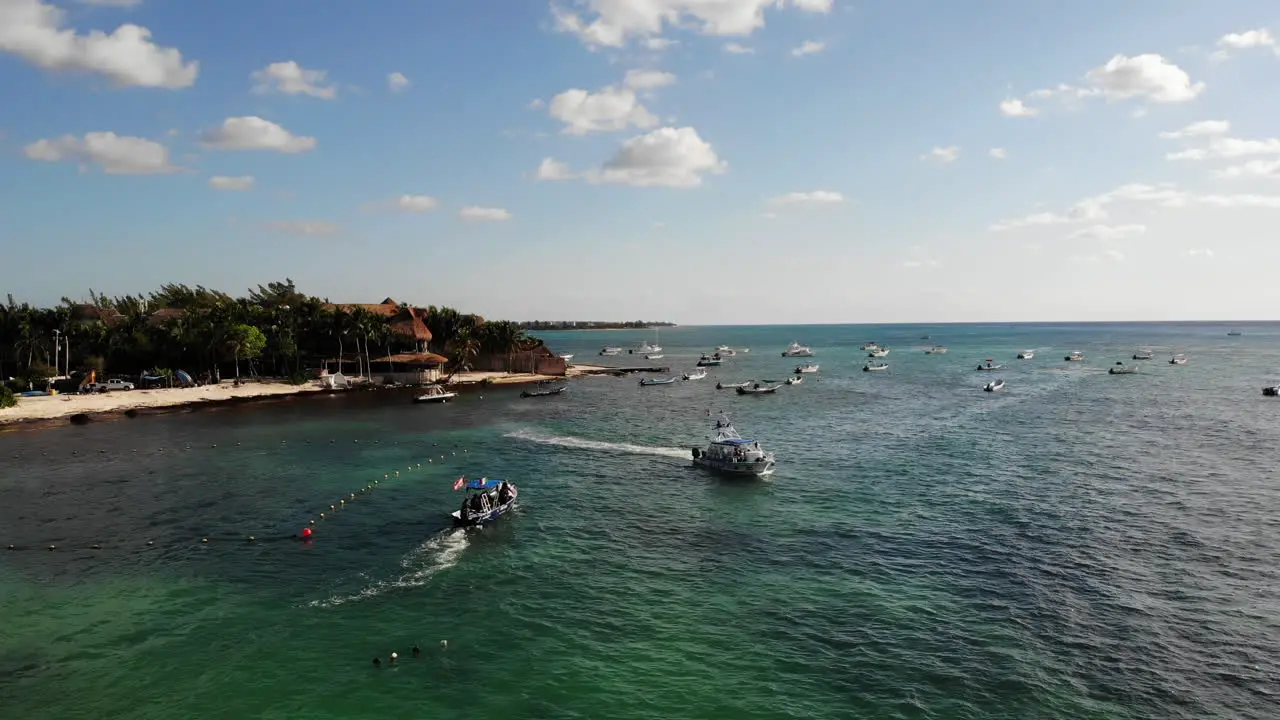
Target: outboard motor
pixel 697 453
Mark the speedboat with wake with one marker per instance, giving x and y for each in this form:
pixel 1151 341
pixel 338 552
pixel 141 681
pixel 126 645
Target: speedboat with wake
pixel 994 386
pixel 732 454
pixel 543 393
pixel 734 386
pixel 696 374
pixel 487 499
pixel 435 394
pixel 991 366
pixel 648 382
pixel 797 350
pixel 758 389
pixel 807 368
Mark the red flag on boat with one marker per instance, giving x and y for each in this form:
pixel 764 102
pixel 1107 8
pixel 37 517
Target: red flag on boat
pixel 457 484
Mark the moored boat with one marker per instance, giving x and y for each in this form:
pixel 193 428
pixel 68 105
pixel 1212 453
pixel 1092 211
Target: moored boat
pixel 435 394
pixel 732 454
pixel 696 374
pixel 725 351
pixel 994 386
pixel 936 350
pixel 990 366
pixel 795 380
pixel 610 350
pixel 487 500
pixel 1234 333
pixel 648 382
pixel 1075 356
pixel 710 360
pixel 879 352
pixel 566 357
pixel 654 356
pixel 1271 391
pixel 758 389
pixel 733 386
pixel 1121 369
pixel 808 367
pixel 870 346
pixel 543 393
pixel 1026 354
pixel 1143 355
pixel 1178 360
pixel 797 350
pixel 875 367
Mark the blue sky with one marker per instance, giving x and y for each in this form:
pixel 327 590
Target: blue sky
pixel 697 163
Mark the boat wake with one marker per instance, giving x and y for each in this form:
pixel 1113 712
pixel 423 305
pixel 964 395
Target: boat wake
pixel 582 444
pixel 436 554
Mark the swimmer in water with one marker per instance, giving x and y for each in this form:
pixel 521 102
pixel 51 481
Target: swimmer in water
pixel 377 662
pixel 416 651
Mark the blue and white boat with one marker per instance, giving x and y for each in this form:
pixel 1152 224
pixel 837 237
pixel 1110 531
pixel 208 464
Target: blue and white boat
pixel 656 381
pixel 731 454
pixel 487 500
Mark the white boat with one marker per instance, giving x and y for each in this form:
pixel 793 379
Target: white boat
pixel 696 374
pixel 990 366
pixel 797 350
pixel 1075 356
pixel 1143 355
pixel 758 389
pixel 725 351
pixel 647 382
pixel 870 346
pixel 938 350
pixel 335 381
pixel 879 352
pixel 435 394
pixel 566 357
pixel 807 368
pixel 1178 360
pixel 732 454
pixel 653 356
pixel 1234 333
pixel 1121 369
pixel 610 350
pixel 875 367
pixel 734 386
pixel 1026 354
pixel 795 380
pixel 994 386
pixel 643 348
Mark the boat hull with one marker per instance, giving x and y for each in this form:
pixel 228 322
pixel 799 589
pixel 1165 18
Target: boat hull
pixel 474 519
pixel 429 399
pixel 740 469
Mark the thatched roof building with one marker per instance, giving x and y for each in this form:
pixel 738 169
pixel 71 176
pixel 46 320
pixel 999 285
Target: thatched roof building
pixel 407 322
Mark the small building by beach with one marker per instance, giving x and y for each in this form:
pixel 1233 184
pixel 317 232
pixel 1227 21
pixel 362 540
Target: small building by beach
pixel 416 368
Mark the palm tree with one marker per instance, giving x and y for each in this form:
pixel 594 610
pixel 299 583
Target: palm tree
pixel 464 349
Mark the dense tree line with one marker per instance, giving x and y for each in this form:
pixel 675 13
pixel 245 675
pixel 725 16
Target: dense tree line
pixel 590 325
pixel 273 330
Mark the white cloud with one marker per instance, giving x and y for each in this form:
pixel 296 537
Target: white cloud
pixel 33 30
pixel 1241 201
pixel 666 157
pixel 942 154
pixel 738 49
pixel 1199 129
pixel 115 154
pixel 550 169
pixel 1013 107
pixel 290 78
pixel 1251 169
pixel 477 213
pixel 998 153
pixel 254 133
pixel 816 197
pixel 610 109
pixel 1115 255
pixel 405 204
pixel 1148 76
pixel 611 23
pixel 1246 40
pixel 396 82
pixel 1092 209
pixel 919 258
pixel 223 182
pixel 1108 232
pixel 658 44
pixel 536 104
pixel 1228 148
pixel 1200 252
pixel 808 47
pixel 112 3
pixel 305 228
pixel 648 79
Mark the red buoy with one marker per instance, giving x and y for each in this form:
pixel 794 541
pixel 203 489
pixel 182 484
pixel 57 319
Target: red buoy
pixel 306 532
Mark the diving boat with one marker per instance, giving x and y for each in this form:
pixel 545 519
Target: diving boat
pixel 879 352
pixel 487 500
pixel 652 356
pixel 543 393
pixel 435 394
pixel 647 382
pixel 1076 356
pixel 732 454
pixel 994 386
pixel 696 374
pixel 758 389
pixel 1271 391
pixel 1143 355
pixel 991 366
pixel 875 367
pixel 1121 369
pixel 1026 354
pixel 734 386
pixel 797 350
pixel 710 360
pixel 938 350
pixel 870 346
pixel 795 380
pixel 807 368
pixel 1178 360
pixel 610 350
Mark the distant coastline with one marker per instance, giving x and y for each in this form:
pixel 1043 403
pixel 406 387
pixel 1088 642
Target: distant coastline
pixel 555 325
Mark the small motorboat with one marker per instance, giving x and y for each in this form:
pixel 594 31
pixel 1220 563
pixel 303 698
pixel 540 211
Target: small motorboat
pixel 1026 355
pixel 1076 356
pixel 734 386
pixel 1143 355
pixel 795 380
pixel 435 394
pixel 696 374
pixel 725 351
pixel 797 350
pixel 543 393
pixel 610 350
pixel 870 346
pixel 1121 369
pixel 1272 391
pixel 732 454
pixel 875 367
pixel 807 368
pixel 647 382
pixel 994 386
pixel 487 500
pixel 1234 333
pixel 758 389
pixel 710 360
pixel 652 356
pixel 936 350
pixel 566 357
pixel 990 366
pixel 1178 360
pixel 879 352
pixel 924 337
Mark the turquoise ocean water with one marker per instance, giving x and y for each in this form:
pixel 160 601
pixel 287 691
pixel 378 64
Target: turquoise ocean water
pixel 1078 546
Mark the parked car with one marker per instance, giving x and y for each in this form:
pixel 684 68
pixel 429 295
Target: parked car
pixel 112 384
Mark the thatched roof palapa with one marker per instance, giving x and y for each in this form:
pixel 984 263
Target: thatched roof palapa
pixel 428 359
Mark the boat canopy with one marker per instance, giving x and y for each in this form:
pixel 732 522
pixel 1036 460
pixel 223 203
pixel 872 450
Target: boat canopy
pixel 734 441
pixel 483 483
